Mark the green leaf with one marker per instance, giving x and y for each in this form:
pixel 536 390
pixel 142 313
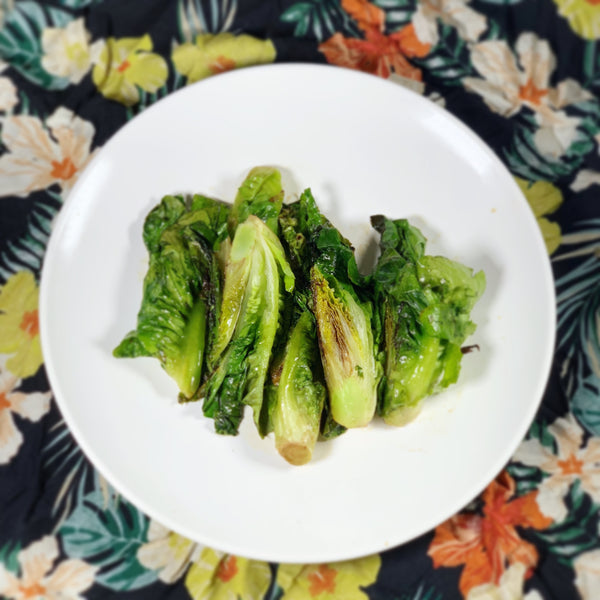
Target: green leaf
pixel 296 12
pixel 540 432
pixel 27 251
pixel 106 531
pixel 526 161
pixel 589 59
pixel 392 4
pixel 585 406
pixel 449 59
pixel 576 533
pixel 20 41
pixel 321 17
pixel 75 4
pixel 9 556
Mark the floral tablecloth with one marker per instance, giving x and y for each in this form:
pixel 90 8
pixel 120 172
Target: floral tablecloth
pixel 524 74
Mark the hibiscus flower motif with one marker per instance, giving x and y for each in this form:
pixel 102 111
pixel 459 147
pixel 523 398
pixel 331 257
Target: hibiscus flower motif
pixel 40 155
pixel 215 53
pixel 583 16
pixel 469 23
pixel 218 576
pixel 571 462
pixel 486 544
pixel 125 66
pixel 32 406
pixel 37 580
pixel 333 580
pixel 376 53
pixel 67 51
pixel 509 84
pixel 19 324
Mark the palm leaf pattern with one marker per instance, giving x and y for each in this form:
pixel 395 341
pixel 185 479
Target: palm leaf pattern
pixel 578 307
pixel 27 251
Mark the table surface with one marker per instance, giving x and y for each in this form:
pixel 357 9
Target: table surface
pixel 524 75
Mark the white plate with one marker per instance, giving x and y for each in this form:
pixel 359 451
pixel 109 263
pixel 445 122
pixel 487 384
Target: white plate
pixel 364 146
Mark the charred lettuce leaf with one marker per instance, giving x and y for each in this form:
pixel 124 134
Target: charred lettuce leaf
pixel 181 290
pixel 341 309
pixel 424 305
pixel 297 406
pixel 257 277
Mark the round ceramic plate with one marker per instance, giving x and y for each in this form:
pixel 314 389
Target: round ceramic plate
pixel 364 146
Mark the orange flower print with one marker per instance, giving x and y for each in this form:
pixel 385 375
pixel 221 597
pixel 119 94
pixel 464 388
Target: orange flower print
pixel 41 576
pixel 510 80
pixel 376 53
pixel 31 406
pixel 43 154
pixel 227 568
pixel 488 543
pixel 322 580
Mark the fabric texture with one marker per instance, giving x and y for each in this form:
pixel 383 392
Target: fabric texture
pixel 523 74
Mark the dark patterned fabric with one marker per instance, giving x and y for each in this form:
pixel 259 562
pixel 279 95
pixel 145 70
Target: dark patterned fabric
pixel 523 74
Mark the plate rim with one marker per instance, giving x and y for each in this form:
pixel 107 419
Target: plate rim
pixel 320 555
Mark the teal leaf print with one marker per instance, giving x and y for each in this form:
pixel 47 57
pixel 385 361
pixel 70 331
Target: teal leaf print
pixel 319 19
pixel 27 252
pixel 527 478
pixel 569 538
pixel 397 12
pixel 75 4
pixel 421 593
pixel 147 98
pixel 63 460
pixel 106 531
pixel 20 41
pixel 192 19
pixel 9 556
pixel 585 404
pixel 591 64
pixel 525 160
pixel 578 310
pixel 449 60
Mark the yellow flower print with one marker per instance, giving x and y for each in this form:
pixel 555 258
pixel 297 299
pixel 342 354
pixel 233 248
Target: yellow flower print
pixel 31 406
pixel 583 16
pixel 19 326
pixel 212 54
pixel 126 64
pixel 218 576
pixel 67 51
pixel 167 552
pixel 543 198
pixel 329 581
pixel 66 582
